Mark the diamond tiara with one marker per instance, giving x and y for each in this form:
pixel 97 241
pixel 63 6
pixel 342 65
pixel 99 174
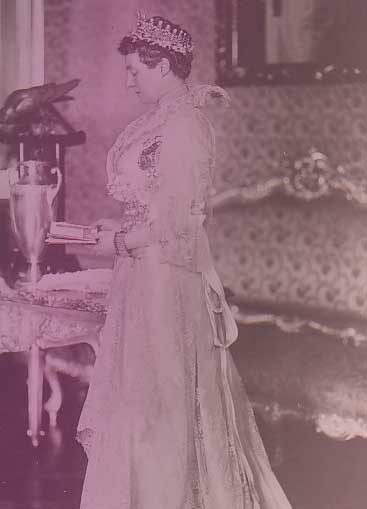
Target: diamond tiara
pixel 164 36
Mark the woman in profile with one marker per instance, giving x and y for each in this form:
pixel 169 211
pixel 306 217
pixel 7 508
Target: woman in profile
pixel 167 423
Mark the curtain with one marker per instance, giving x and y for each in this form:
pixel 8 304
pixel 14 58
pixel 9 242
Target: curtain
pixel 21 44
pixel 21 56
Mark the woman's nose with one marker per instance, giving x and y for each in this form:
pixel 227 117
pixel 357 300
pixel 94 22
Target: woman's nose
pixel 130 81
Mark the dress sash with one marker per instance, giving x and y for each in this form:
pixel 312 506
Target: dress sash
pixel 225 333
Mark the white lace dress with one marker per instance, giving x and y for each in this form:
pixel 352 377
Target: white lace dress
pixel 167 423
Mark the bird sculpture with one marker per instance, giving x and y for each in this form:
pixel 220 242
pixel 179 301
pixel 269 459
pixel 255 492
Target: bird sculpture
pixel 31 110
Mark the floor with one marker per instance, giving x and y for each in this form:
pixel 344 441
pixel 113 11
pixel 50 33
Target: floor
pixel 315 471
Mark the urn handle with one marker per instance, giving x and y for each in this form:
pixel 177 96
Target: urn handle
pixel 54 190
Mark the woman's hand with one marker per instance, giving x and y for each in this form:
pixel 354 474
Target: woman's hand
pixel 105 243
pixel 140 237
pixel 107 228
pixel 106 224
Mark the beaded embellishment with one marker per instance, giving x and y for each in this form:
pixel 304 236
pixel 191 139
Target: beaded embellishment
pixel 148 159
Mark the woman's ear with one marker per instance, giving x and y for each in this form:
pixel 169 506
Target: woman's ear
pixel 165 66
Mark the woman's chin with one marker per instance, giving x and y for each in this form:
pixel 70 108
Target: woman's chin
pixel 146 100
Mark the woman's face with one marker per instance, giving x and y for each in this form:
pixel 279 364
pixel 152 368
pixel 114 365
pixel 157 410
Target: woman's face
pixel 144 81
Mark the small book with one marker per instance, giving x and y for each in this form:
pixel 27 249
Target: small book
pixel 68 233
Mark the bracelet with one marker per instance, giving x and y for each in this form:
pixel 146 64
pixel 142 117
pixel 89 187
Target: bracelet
pixel 120 244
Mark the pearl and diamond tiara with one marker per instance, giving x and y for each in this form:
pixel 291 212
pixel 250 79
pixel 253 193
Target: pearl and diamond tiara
pixel 157 31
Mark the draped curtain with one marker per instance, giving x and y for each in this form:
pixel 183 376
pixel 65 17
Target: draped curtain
pixel 21 56
pixel 21 44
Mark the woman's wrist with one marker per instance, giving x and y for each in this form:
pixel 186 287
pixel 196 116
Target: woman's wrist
pixel 119 243
pixel 137 238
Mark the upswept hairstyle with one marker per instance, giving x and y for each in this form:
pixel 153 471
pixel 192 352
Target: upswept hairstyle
pixel 151 53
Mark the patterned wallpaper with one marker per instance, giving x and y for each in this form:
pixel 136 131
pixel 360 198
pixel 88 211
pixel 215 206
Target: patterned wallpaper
pixel 57 32
pixel 314 253
pixel 266 123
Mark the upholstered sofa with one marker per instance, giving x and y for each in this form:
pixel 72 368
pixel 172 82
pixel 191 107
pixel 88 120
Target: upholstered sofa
pixel 292 252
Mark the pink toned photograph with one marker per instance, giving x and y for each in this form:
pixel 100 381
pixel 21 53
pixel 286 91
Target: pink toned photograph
pixel 183 277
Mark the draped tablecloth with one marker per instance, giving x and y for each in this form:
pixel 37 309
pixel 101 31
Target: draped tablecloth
pixel 59 317
pixel 56 318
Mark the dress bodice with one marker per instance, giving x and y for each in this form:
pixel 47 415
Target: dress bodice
pixel 135 180
pixel 133 174
pixel 136 162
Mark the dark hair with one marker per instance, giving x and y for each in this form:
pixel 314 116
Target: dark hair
pixel 151 54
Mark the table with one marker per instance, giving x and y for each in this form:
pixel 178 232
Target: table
pixel 55 319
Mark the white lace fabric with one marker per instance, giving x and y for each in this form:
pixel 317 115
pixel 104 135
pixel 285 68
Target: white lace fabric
pixel 166 423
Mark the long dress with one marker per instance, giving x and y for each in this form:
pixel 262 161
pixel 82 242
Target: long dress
pixel 166 423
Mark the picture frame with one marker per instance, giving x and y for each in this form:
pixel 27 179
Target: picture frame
pixel 276 42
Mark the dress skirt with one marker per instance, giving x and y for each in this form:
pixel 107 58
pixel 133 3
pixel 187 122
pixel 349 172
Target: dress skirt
pixel 167 423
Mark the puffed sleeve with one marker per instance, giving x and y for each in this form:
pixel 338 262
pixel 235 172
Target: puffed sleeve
pixel 185 178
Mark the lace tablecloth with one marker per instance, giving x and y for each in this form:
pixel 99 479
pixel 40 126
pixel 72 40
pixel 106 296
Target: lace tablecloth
pixel 57 317
pixel 54 318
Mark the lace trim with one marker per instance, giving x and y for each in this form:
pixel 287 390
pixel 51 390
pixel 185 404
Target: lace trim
pixel 85 438
pixel 197 96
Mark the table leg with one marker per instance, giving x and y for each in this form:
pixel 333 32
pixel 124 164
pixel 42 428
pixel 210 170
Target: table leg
pixel 35 393
pixel 54 403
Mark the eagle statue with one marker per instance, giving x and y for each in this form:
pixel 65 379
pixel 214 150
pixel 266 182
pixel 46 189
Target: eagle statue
pixel 31 111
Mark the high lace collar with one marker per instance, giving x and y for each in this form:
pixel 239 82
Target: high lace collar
pixel 174 95
pixel 186 94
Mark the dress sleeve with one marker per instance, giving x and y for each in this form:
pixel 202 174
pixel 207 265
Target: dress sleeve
pixel 185 177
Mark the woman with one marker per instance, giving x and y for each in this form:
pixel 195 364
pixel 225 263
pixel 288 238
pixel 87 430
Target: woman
pixel 166 423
